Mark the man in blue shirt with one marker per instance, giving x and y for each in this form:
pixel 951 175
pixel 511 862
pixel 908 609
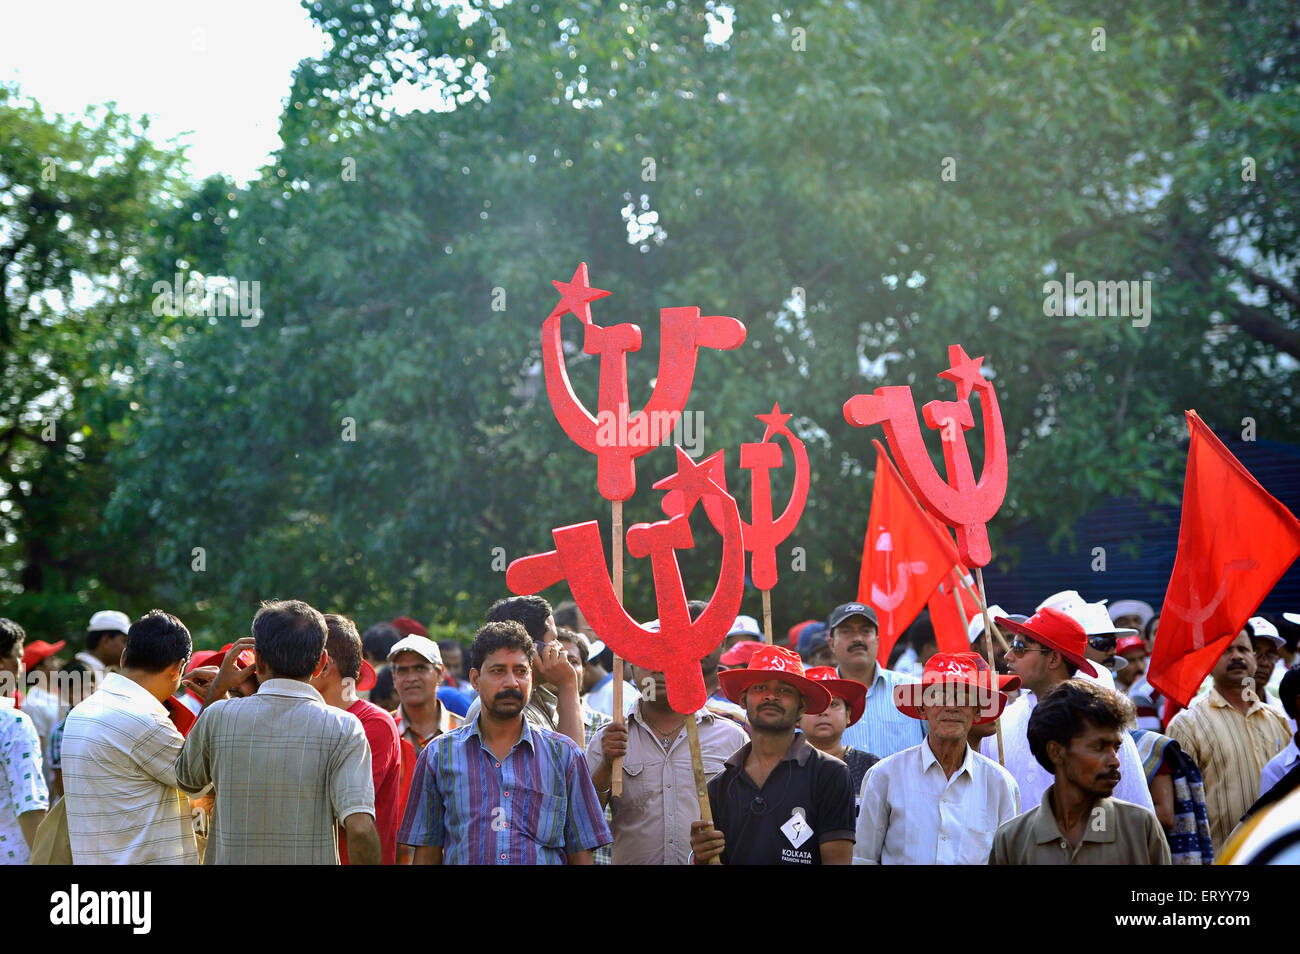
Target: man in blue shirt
pixel 854 641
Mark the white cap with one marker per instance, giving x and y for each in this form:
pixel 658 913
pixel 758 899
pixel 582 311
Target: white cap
pixel 747 625
pixel 420 645
pixel 653 625
pixel 1091 616
pixel 1263 629
pixel 1138 608
pixel 1292 618
pixel 976 626
pixel 106 620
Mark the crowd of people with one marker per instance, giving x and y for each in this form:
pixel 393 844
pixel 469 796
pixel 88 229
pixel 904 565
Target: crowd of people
pixel 309 742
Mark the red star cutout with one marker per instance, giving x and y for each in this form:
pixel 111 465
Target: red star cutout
pixel 692 480
pixel 965 371
pixel 576 295
pixel 775 422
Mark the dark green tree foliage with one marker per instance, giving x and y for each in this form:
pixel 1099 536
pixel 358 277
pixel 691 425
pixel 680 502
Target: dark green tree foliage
pixel 791 176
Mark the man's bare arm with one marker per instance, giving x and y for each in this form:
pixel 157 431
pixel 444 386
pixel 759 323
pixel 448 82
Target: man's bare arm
pixel 363 839
pixel 428 855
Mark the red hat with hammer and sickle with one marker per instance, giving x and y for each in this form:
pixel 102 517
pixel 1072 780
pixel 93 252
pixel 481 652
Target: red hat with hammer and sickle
pixel 775 662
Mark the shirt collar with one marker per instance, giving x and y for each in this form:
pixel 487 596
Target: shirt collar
pixel 1046 829
pixel 118 685
pixel 444 718
pixel 92 661
pixel 1218 700
pixel 799 752
pixel 635 713
pixel 928 758
pixel 289 687
pixel 878 678
pixel 525 737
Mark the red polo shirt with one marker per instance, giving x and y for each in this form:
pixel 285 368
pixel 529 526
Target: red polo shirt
pixel 386 768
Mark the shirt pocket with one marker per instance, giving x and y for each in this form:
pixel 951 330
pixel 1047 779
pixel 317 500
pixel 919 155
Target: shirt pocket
pixel 641 780
pixel 541 816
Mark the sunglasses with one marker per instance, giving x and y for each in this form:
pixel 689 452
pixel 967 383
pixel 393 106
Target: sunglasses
pixel 1020 647
pixel 1103 644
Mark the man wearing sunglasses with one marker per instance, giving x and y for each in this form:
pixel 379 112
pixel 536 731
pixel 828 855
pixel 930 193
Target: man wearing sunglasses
pixel 1046 650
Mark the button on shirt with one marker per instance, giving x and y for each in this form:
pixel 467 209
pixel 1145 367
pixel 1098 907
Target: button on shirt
pixel 286 767
pixel 1117 833
pixel 1231 750
pixel 536 806
pixel 883 730
pixel 119 775
pixel 1033 778
pixel 807 800
pixel 22 786
pixel 913 814
pixel 652 820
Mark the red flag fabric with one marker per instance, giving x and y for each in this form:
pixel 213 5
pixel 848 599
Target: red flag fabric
pixel 904 555
pixel 1234 543
pixel 949 626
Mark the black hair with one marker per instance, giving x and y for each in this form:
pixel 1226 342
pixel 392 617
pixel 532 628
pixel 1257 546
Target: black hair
pixel 383 688
pixel 501 634
pixel 290 637
pixel 378 641
pixel 95 635
pixel 578 640
pixel 1288 689
pixel 566 614
pixel 530 611
pixel 695 608
pixel 156 641
pixel 1067 710
pixel 343 643
pixel 11 634
pixel 1146 630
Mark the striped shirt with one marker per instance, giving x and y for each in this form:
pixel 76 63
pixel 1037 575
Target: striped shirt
pixel 536 806
pixel 883 729
pixel 119 778
pixel 22 786
pixel 286 767
pixel 1231 750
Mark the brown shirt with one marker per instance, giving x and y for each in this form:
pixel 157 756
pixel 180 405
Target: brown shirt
pixel 1118 833
pixel 1231 750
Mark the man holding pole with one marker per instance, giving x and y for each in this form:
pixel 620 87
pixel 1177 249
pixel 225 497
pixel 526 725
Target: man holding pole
pixel 778 799
pixel 1046 650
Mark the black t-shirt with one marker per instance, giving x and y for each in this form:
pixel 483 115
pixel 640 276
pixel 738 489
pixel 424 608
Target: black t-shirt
pixel 807 800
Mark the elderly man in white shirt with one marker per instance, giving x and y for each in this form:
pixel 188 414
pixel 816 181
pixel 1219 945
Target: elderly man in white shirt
pixel 939 802
pixel 1047 649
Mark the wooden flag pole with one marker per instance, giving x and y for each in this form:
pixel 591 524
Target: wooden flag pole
pixel 961 609
pixel 767 616
pixel 701 783
pixel 616 776
pixel 993 669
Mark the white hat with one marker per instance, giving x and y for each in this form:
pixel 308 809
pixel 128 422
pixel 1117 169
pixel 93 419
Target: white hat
pixel 1091 616
pixel 1261 628
pixel 420 645
pixel 1292 618
pixel 1136 608
pixel 976 626
pixel 596 648
pixel 109 620
pixel 747 625
pixel 653 626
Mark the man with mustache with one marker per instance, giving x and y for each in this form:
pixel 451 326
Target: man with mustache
pixel 1231 735
pixel 938 803
pixel 501 790
pixel 1075 732
pixel 778 800
pixel 854 641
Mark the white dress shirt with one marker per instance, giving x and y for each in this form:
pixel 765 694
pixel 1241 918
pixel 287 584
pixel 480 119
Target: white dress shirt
pixel 22 786
pixel 1034 779
pixel 913 814
pixel 1278 766
pixel 119 775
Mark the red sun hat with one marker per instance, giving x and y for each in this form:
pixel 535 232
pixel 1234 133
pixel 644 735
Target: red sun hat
pixel 367 678
pixel 962 669
pixel 39 649
pixel 779 662
pixel 1130 642
pixel 409 627
pixel 851 691
pixel 1055 630
pixel 739 654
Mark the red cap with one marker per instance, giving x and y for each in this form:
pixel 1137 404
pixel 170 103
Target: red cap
pixel 367 679
pixel 39 649
pixel 775 661
pixel 740 653
pixel 1055 630
pixel 851 691
pixel 963 669
pixel 1130 642
pixel 407 627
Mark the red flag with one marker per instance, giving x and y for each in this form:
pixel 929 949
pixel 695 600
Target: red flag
pixel 904 555
pixel 1234 543
pixel 949 626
